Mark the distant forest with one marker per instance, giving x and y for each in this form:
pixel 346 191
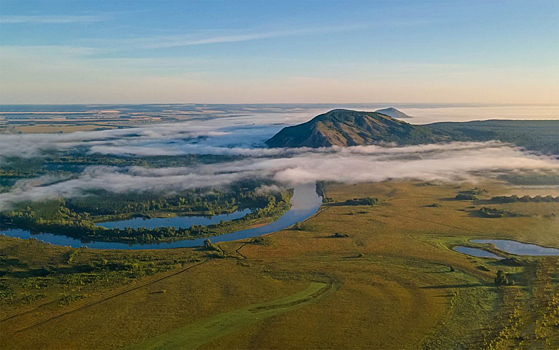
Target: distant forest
pixel 534 135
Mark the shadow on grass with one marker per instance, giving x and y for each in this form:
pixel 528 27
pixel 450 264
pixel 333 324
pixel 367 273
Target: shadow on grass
pixel 341 235
pixel 466 285
pixel 446 271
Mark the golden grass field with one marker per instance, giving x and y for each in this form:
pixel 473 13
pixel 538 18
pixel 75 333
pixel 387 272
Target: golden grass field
pixel 388 285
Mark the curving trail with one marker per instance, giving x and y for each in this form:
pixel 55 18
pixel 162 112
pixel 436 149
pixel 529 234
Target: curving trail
pixel 199 333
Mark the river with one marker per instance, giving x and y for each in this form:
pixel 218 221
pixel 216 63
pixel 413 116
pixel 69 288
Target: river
pixel 304 203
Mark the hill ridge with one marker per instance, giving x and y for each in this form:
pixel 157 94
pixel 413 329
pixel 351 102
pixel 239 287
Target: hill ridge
pixel 393 112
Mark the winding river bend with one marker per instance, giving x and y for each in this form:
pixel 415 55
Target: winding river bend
pixel 304 203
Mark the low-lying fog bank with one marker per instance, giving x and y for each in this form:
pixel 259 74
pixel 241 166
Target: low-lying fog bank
pixel 243 136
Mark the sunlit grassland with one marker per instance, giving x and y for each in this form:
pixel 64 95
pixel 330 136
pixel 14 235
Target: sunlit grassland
pixel 197 334
pixel 399 283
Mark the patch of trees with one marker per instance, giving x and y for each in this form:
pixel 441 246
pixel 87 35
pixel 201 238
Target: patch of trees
pixel 16 167
pixel 474 191
pixel 214 251
pixel 537 135
pixel 208 245
pixel 74 161
pixel 321 191
pixel 265 241
pixel 470 195
pixel 18 173
pixel 542 178
pixel 149 161
pixel 321 188
pixel 524 199
pixel 465 197
pixel 495 213
pixel 114 206
pixel 501 279
pixel 361 201
pixel 298 226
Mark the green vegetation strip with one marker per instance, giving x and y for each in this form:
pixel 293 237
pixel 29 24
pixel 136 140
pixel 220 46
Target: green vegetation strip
pixel 199 333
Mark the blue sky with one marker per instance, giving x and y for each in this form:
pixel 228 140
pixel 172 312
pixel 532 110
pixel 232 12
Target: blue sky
pixel 279 51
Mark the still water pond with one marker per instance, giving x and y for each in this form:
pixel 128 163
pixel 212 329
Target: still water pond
pixel 480 253
pixel 304 203
pixel 518 248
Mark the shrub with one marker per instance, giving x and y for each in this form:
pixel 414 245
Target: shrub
pixel 340 235
pixel 501 279
pixel 43 272
pixel 261 241
pixel 208 245
pixel 465 197
pixel 298 226
pixel 72 255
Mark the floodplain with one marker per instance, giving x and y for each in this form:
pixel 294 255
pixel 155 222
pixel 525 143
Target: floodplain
pixel 386 269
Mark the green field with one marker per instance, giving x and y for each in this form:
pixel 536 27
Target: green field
pixel 389 280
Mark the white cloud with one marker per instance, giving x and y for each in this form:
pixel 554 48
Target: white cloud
pixel 449 162
pixel 207 37
pixel 243 135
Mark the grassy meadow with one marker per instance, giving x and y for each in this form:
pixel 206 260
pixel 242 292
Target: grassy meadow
pixel 388 280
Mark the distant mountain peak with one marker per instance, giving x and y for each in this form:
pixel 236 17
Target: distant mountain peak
pixel 393 112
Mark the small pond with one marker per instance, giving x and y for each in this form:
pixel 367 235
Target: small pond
pixel 480 253
pixel 518 248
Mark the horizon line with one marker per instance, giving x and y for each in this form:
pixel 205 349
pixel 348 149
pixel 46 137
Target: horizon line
pixel 280 103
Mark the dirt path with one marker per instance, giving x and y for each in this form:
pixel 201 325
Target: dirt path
pixel 199 333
